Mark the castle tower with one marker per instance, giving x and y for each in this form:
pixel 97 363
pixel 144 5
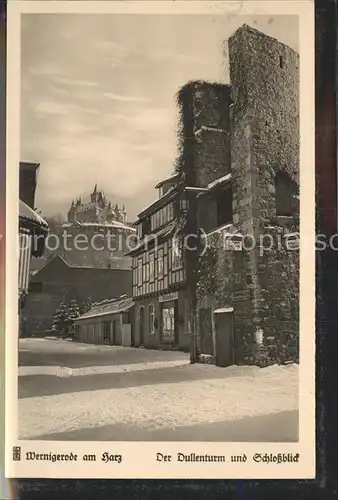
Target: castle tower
pixel 118 213
pixel 264 75
pixel 94 194
pixel 205 131
pixel 71 212
pixel 124 214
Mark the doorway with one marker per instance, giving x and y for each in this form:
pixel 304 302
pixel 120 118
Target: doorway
pixel 141 325
pixel 169 333
pixel 224 337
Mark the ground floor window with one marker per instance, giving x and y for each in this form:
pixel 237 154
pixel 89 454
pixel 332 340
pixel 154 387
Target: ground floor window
pixel 106 331
pixel 151 319
pixel 168 324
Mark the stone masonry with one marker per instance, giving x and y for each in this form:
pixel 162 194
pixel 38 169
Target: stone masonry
pixel 251 130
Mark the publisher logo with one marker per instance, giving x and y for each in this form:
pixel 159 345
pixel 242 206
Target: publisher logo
pixel 16 453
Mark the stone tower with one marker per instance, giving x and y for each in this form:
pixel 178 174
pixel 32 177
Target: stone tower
pixel 205 129
pixel 258 160
pixel 264 76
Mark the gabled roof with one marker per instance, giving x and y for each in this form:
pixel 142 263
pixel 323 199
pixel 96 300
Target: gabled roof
pixel 70 266
pixel 112 306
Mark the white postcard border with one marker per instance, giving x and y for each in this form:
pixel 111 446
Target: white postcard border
pixel 139 458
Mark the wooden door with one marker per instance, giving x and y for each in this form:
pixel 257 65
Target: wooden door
pixel 206 340
pixel 224 339
pixel 141 325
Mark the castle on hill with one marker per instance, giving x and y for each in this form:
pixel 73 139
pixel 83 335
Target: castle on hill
pixel 97 209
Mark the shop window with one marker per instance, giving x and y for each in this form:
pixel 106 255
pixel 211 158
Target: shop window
pixel 168 324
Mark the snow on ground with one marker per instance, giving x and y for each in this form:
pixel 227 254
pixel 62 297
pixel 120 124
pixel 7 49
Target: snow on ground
pixel 65 371
pixel 251 391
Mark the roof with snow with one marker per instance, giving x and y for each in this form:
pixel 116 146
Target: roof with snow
pixel 102 225
pixel 109 306
pixel 167 179
pixel 26 213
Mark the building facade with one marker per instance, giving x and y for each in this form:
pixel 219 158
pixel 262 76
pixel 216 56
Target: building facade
pixel 60 282
pixel 107 322
pixel 160 314
pixel 240 165
pixel 33 229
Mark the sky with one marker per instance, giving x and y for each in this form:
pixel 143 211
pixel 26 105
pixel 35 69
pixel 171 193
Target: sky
pixel 98 97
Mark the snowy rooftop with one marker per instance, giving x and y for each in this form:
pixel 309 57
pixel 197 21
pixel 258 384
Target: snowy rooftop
pixel 27 213
pixel 221 180
pixel 170 178
pixel 109 306
pixel 107 225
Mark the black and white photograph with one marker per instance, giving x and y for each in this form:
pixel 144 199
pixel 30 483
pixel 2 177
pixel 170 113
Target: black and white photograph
pixel 161 179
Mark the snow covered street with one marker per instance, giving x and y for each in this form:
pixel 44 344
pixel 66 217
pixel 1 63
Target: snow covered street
pixel 70 391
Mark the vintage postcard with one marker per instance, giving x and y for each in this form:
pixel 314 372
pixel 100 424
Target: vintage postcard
pixel 160 306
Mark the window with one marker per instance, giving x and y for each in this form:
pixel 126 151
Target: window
pixel 126 317
pixel 281 61
pixel 176 254
pixel 184 205
pixel 139 230
pixel 146 226
pixel 151 319
pixel 160 264
pixel 146 273
pixel 151 267
pixel 284 194
pixel 168 324
pixel 162 217
pixel 224 207
pixel 139 272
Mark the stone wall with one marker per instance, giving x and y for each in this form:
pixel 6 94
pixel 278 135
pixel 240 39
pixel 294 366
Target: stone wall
pixel 262 285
